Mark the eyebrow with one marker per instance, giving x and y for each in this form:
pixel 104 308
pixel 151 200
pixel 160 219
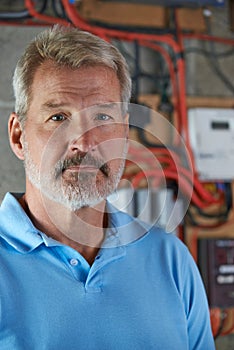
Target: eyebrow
pixel 53 105
pixel 50 105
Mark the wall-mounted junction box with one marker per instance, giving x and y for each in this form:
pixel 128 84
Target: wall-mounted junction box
pixel 211 132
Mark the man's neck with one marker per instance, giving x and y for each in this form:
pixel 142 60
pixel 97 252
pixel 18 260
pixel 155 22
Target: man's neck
pixel 82 230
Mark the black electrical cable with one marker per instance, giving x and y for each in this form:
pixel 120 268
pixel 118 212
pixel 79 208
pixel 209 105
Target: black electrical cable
pixel 161 81
pixel 136 84
pixel 228 206
pixel 219 216
pixel 145 142
pixel 58 9
pixel 194 222
pixel 165 106
pixel 142 137
pixel 133 29
pixel 190 220
pixel 125 52
pixel 43 7
pixel 23 14
pixel 14 15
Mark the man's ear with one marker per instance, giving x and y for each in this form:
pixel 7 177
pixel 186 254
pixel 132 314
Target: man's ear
pixel 15 135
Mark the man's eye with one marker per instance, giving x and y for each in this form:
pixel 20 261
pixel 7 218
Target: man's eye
pixel 58 117
pixel 103 117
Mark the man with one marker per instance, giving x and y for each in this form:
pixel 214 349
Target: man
pixel 75 272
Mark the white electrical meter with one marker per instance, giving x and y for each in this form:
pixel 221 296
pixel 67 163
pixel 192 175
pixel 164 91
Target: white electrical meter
pixel 211 132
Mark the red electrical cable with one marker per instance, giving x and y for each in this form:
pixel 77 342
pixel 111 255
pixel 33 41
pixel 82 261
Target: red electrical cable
pixel 206 37
pixel 79 22
pixel 182 89
pixel 173 160
pixel 193 247
pixel 26 22
pixel 151 151
pixel 171 68
pixel 168 60
pixel 184 186
pixel 181 82
pixel 183 178
pixel 215 318
pixel 231 328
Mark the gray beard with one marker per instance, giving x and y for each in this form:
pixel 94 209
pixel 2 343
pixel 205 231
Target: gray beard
pixel 86 190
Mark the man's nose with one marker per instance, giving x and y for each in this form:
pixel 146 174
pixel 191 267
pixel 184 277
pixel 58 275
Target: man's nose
pixel 85 142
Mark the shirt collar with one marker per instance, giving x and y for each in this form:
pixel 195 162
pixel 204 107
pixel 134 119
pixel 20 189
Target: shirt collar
pixel 123 228
pixel 17 229
pixel 15 226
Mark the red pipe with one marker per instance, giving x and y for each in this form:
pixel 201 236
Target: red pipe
pixel 182 90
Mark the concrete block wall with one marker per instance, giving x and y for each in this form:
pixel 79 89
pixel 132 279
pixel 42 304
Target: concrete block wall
pixel 12 43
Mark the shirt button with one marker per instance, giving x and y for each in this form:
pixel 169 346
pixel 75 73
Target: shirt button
pixel 73 262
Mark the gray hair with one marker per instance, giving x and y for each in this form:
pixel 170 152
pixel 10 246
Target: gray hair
pixel 70 47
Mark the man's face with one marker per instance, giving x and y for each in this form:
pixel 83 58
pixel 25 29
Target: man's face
pixel 75 135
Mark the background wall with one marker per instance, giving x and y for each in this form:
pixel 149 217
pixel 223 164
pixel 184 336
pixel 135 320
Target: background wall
pixel 12 42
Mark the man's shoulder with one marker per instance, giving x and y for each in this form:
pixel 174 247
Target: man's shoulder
pixel 135 231
pixel 156 235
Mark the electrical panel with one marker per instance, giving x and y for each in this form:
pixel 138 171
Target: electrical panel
pixel 211 132
pixel 216 264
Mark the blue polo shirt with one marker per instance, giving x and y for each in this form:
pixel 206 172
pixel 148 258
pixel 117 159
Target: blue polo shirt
pixel 145 293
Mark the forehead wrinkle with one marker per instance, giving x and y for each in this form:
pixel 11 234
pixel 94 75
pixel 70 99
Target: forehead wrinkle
pixel 83 88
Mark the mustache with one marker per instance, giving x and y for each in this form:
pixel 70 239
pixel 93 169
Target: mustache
pixel 86 159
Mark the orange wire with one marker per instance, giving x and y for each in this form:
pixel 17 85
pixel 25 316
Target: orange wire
pixel 174 163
